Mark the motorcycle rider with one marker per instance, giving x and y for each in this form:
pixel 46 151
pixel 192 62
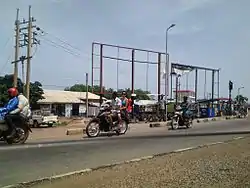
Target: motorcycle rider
pixel 116 104
pixel 185 107
pixel 21 110
pixel 8 109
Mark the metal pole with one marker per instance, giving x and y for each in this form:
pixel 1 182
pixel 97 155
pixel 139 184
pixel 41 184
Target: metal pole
pixel 205 85
pixel 87 95
pixel 133 71
pixel 147 72
pixel 218 86
pixel 171 82
pixel 101 73
pixel 196 84
pixel 167 70
pixel 117 70
pixel 92 64
pixel 29 55
pixel 159 76
pixel 176 90
pixel 17 23
pixel 213 88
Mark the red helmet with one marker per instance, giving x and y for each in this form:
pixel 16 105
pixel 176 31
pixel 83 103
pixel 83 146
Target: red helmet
pixel 13 92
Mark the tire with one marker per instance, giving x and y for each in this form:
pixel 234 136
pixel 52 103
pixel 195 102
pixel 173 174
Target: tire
pixel 35 124
pixel 125 125
pixel 88 129
pixel 50 125
pixel 19 141
pixel 175 123
pixel 188 125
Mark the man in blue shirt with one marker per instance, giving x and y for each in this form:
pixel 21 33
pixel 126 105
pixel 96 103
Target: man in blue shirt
pixel 8 108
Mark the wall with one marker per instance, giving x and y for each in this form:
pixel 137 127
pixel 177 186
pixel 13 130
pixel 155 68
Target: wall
pixel 68 109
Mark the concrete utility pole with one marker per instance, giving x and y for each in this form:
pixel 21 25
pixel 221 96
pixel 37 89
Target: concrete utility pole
pixel 17 36
pixel 21 59
pixel 27 41
pixel 29 55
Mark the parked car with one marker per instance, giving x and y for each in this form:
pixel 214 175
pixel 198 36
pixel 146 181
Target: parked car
pixel 39 118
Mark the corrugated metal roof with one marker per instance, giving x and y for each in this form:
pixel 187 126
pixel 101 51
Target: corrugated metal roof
pixel 58 96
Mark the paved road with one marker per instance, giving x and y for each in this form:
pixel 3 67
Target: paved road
pixel 34 160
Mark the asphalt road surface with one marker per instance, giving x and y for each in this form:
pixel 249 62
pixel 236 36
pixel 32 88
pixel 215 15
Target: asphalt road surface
pixel 34 160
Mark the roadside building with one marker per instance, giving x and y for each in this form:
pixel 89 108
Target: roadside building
pixel 68 103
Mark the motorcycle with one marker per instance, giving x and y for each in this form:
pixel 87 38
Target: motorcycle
pixel 22 131
pixel 100 123
pixel 178 120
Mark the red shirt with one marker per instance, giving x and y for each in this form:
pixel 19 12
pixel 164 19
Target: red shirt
pixel 129 109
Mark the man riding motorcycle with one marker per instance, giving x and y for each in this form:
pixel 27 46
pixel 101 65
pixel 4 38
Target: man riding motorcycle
pixel 7 111
pixel 185 107
pixel 115 108
pixel 20 108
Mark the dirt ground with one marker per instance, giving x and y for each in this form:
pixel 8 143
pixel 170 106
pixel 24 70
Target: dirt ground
pixel 225 165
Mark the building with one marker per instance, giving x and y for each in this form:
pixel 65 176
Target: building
pixel 68 103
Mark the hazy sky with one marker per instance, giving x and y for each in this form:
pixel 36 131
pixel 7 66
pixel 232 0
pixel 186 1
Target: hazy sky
pixel 211 33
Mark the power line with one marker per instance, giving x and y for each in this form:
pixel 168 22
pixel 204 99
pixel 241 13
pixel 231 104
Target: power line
pixel 63 41
pixel 54 44
pixel 6 63
pixel 65 45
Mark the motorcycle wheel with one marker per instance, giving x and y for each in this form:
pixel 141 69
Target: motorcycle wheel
pixel 188 125
pixel 175 123
pixel 93 129
pixel 123 128
pixel 21 136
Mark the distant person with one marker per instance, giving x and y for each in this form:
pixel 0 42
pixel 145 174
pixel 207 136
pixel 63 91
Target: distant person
pixel 124 103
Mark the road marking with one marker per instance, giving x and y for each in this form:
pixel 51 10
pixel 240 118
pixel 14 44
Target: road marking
pixel 238 138
pixel 184 149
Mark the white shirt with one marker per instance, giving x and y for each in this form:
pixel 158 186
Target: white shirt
pixel 116 103
pixel 23 106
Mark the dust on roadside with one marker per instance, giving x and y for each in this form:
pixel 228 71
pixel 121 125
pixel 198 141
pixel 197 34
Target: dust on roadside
pixel 224 165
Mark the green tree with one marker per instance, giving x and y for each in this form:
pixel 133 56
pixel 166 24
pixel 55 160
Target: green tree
pixel 240 99
pixel 140 94
pixel 6 82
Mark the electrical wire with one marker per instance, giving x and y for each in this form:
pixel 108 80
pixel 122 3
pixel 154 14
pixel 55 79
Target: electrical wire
pixel 6 63
pixel 65 45
pixel 60 46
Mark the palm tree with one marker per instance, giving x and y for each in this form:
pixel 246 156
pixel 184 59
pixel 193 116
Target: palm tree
pixel 240 99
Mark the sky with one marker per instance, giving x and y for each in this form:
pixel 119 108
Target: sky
pixel 208 33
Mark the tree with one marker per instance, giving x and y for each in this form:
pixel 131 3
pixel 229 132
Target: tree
pixel 240 99
pixel 6 82
pixel 140 94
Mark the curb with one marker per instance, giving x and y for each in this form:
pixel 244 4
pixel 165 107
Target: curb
pixel 88 170
pixel 75 131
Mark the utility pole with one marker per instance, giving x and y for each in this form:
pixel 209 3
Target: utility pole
pixel 17 36
pixel 29 38
pixel 87 95
pixel 21 59
pixel 28 55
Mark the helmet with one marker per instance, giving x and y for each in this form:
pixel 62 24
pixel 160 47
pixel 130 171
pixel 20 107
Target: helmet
pixel 12 92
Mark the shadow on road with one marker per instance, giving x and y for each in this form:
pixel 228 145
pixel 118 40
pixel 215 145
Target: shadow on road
pixel 154 136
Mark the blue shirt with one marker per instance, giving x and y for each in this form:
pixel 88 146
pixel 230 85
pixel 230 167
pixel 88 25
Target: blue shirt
pixel 10 106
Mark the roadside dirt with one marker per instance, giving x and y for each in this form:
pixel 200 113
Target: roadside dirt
pixel 225 165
